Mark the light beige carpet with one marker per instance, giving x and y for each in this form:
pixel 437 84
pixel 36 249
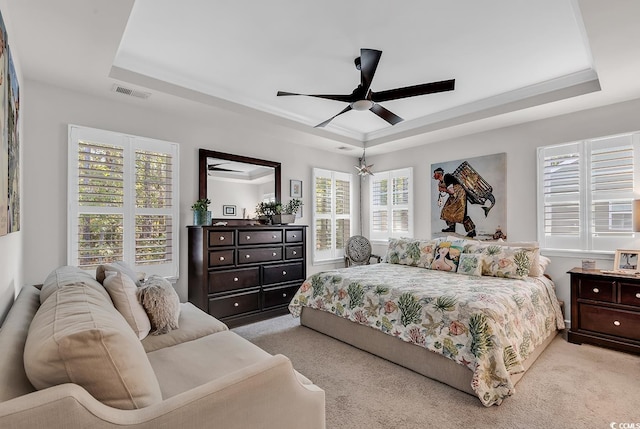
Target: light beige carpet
pixel 569 386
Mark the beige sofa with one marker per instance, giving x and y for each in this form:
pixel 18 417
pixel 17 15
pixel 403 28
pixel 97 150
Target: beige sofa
pixel 199 375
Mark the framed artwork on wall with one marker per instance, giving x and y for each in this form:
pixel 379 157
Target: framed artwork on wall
pixel 229 210
pixel 468 197
pixel 296 188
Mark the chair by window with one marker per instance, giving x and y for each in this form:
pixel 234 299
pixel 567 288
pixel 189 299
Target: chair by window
pixel 358 251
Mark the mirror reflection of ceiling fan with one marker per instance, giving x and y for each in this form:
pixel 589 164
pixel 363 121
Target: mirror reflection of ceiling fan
pixel 216 167
pixel 363 98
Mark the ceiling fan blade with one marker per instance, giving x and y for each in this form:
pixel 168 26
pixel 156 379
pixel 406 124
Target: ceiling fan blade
pixel 336 97
pixel 385 114
pixel 369 59
pixel 412 91
pixel 346 109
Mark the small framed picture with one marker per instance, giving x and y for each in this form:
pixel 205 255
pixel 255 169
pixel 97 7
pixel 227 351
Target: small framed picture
pixel 626 261
pixel 229 210
pixel 296 189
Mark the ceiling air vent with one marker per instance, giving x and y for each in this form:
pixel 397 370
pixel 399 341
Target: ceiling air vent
pixel 128 91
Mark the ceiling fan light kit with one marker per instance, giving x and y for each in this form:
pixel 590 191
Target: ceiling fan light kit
pixel 363 98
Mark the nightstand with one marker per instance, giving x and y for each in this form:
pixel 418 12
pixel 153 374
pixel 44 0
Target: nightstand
pixel 605 310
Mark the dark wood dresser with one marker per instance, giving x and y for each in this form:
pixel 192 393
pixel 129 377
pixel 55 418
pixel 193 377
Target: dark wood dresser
pixel 605 310
pixel 243 274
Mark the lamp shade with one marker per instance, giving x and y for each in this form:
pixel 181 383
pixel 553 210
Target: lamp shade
pixel 636 215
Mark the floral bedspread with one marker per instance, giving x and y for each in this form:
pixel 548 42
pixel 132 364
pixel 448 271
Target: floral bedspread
pixel 487 324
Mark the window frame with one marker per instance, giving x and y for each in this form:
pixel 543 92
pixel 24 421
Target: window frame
pixel 587 241
pixel 129 144
pixel 334 254
pixel 390 206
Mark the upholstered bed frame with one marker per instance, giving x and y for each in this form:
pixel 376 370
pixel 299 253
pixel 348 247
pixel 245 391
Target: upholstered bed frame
pixel 408 355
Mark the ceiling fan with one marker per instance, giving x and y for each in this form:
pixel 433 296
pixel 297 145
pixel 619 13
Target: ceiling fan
pixel 363 98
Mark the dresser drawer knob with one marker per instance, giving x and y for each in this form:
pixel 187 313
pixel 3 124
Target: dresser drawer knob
pixel 274 254
pixel 247 256
pixel 616 322
pixel 235 279
pixel 596 290
pixel 293 235
pixel 235 304
pixel 248 237
pixel 221 238
pixel 295 253
pixel 222 258
pixel 284 273
pixel 638 295
pixel 284 295
pixel 274 236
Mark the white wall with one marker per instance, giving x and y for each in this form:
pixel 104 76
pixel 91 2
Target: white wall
pixel 48 111
pixel 11 265
pixel 520 143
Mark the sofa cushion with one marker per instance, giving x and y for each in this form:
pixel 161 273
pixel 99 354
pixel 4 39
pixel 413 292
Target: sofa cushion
pixel 194 323
pixel 13 335
pixel 120 267
pixel 77 336
pixel 66 275
pixel 162 304
pixel 122 291
pixel 191 364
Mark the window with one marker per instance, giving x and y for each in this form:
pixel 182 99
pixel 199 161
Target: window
pixel 122 201
pixel 391 204
pixel 585 193
pixel 331 214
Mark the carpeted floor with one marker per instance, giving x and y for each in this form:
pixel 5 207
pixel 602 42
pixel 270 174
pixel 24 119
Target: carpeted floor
pixel 569 386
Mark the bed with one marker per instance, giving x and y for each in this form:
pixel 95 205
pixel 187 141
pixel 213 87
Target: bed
pixel 477 333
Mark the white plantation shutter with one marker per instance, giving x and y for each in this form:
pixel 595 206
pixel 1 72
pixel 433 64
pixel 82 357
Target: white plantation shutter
pixel 391 202
pixel 586 191
pixel 331 214
pixel 122 204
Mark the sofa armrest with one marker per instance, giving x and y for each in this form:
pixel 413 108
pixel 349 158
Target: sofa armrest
pixel 264 395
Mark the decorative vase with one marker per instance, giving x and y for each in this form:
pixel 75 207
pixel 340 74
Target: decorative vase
pixel 284 219
pixel 201 218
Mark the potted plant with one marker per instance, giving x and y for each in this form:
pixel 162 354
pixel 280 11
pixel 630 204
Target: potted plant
pixel 201 213
pixel 287 213
pixel 266 210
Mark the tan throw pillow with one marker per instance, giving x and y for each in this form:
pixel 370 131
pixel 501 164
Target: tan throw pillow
pixel 120 267
pixel 77 336
pixel 162 304
pixel 67 275
pixel 123 294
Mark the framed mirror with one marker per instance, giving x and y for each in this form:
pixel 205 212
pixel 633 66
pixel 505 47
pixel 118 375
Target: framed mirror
pixel 235 184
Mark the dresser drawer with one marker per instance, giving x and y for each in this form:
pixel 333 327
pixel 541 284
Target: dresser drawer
pixel 247 236
pixel 221 281
pixel 619 323
pixel 293 235
pixel 220 238
pixel 236 304
pixel 264 254
pixel 629 294
pixel 293 252
pixel 219 258
pixel 276 297
pixel 282 273
pixel 597 290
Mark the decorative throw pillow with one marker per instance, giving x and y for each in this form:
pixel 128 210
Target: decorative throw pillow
pixel 447 256
pixel 120 267
pixel 510 262
pixel 410 251
pixel 68 275
pixel 77 336
pixel 162 304
pixel 123 294
pixel 471 264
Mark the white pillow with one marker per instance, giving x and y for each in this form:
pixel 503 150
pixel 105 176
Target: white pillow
pixel 122 291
